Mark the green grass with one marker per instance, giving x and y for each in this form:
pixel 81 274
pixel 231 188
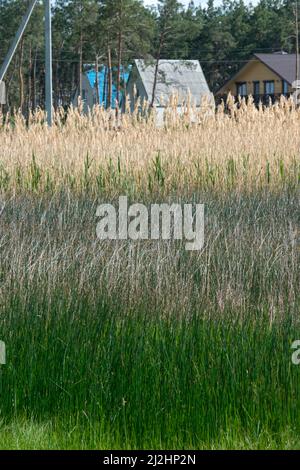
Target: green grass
pixel 144 345
pixel 58 435
pixel 142 382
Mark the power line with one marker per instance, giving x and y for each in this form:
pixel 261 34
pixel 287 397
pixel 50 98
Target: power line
pixel 200 51
pixel 209 61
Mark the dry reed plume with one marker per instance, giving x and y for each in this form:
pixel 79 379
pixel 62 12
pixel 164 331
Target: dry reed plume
pixel 244 147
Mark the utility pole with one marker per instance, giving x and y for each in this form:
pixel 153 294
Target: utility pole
pixel 17 39
pixel 48 59
pixel 48 55
pixel 297 40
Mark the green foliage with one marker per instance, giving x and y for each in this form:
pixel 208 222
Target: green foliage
pixel 221 37
pixel 159 173
pixel 35 174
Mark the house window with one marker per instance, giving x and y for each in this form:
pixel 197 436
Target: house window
pixel 285 87
pixel 83 94
pixel 241 89
pixel 269 87
pixel 256 88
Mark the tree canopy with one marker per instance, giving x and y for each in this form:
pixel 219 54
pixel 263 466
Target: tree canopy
pixel 114 32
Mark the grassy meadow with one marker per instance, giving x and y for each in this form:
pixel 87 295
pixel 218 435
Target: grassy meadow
pixel 132 345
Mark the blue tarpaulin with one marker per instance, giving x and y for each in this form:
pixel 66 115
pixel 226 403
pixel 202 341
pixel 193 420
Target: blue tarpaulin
pixel 103 84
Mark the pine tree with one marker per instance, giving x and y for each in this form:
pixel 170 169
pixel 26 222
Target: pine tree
pixel 123 21
pixel 168 11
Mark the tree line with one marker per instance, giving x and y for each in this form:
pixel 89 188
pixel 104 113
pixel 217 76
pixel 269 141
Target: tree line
pixel 90 33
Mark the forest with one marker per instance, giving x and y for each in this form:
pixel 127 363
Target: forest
pixel 91 33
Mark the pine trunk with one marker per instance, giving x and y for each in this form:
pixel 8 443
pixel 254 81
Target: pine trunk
pixel 33 90
pixel 109 88
pixel 119 70
pixel 80 65
pixel 160 47
pixel 97 82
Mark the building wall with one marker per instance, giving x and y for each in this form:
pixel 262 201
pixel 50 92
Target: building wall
pixel 254 71
pixel 88 95
pixel 135 83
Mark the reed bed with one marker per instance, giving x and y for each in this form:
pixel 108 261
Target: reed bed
pixel 143 344
pixel 242 147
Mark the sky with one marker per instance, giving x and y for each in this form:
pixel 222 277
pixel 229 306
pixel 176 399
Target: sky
pixel 198 2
